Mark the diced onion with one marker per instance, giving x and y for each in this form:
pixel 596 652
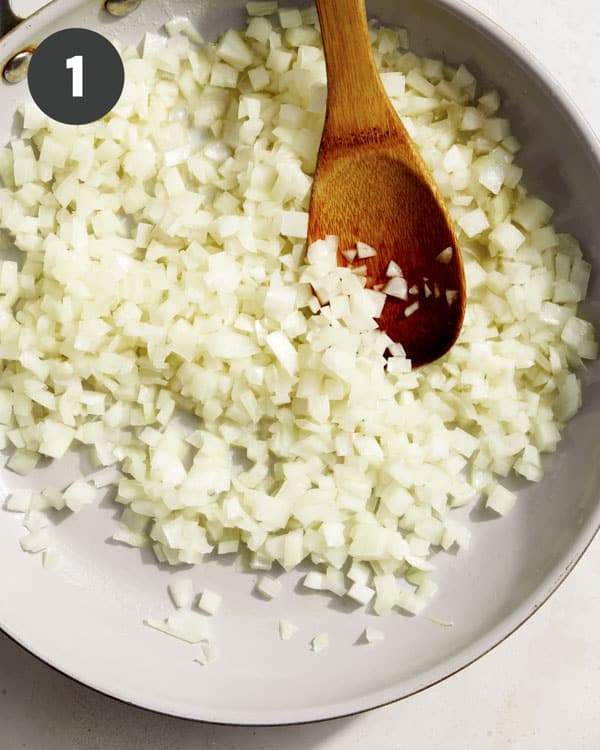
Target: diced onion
pixel 181 592
pixel 396 287
pixel 445 256
pixel 51 558
pixel 269 587
pixel 287 630
pixel 210 602
pixel 207 654
pixel 185 625
pixel 501 500
pixel 35 541
pixel 373 635
pixel 320 642
pixel 232 384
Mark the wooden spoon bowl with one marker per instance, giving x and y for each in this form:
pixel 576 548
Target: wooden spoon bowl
pixel 371 185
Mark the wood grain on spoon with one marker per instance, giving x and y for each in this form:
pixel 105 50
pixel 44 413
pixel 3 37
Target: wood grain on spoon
pixel 372 185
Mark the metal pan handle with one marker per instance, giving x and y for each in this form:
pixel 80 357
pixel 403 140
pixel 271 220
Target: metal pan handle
pixel 8 20
pixel 14 69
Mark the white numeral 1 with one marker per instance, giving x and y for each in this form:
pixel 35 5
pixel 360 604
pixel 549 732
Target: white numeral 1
pixel 76 65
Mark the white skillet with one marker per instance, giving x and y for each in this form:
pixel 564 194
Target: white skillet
pixel 86 618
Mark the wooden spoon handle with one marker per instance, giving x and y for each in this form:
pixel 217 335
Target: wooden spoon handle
pixel 356 97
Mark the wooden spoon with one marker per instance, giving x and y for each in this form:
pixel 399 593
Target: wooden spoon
pixel 372 185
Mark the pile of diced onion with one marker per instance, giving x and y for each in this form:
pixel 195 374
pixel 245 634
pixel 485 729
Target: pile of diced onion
pixel 163 271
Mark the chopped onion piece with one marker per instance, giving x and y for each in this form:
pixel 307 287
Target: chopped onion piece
pixel 35 541
pixel 507 237
pixel 445 256
pixel 183 25
pixel 19 501
pixel 474 223
pixel 396 287
pixel 365 251
pixel 294 224
pixel 315 581
pixel 360 593
pixel 261 7
pixel 78 494
pixel 228 547
pixel 210 602
pixel 181 592
pixel 501 500
pixel 373 635
pixel 287 630
pixel 269 587
pixel 289 18
pixel 442 623
pixel 360 573
pixel 320 642
pixel 35 520
pixel 23 461
pixel 185 625
pixel 51 558
pixel 207 654
pixel 281 347
pixel 106 477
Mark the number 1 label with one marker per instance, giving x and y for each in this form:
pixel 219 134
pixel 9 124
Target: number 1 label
pixel 76 76
pixel 76 65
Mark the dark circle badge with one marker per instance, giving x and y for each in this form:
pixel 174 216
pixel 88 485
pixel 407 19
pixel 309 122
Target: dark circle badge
pixel 76 76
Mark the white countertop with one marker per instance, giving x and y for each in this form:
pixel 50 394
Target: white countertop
pixel 539 690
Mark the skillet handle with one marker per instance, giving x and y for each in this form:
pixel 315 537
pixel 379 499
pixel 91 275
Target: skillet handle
pixel 8 20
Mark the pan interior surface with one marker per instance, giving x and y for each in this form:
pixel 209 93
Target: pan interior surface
pixel 86 618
